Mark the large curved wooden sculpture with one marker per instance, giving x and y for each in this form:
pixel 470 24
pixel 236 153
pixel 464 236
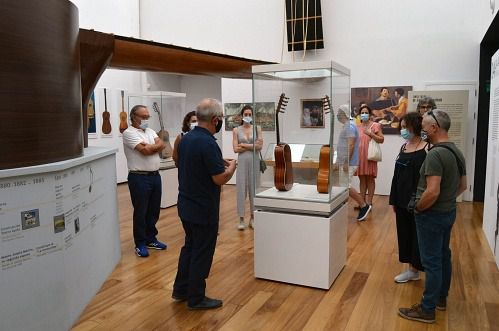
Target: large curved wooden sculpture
pixel 40 96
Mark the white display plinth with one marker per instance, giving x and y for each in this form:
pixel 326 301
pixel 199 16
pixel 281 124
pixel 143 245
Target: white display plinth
pixel 300 249
pixel 59 239
pixel 169 180
pixel 302 199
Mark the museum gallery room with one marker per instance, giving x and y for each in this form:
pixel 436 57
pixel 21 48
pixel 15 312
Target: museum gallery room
pixel 249 165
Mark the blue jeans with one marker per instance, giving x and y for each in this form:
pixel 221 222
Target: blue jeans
pixel 145 192
pixel 434 229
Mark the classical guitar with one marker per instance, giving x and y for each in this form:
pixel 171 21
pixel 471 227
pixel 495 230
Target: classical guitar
pixel 167 152
pixel 324 173
pixel 106 123
pixel 283 170
pixel 123 123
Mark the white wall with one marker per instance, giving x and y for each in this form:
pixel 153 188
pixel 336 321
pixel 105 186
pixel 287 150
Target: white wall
pixel 250 29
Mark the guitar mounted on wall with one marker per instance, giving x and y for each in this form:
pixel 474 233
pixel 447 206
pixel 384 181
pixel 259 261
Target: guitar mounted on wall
pixel 123 115
pixel 106 123
pixel 324 173
pixel 167 152
pixel 283 170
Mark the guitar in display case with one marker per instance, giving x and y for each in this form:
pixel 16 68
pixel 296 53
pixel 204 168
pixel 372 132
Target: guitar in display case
pixel 106 123
pixel 123 115
pixel 283 170
pixel 167 152
pixel 323 175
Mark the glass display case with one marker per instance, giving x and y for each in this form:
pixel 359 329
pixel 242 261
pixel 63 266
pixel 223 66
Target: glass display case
pixel 167 110
pixel 307 96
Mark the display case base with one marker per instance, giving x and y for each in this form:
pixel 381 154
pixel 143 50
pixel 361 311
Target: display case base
pixel 300 249
pixel 301 199
pixel 169 182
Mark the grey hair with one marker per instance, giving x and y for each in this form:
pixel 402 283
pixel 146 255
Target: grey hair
pixel 134 111
pixel 427 101
pixel 442 118
pixel 207 109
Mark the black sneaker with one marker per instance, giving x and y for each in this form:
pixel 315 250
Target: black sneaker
pixel 416 313
pixel 442 303
pixel 363 212
pixel 206 303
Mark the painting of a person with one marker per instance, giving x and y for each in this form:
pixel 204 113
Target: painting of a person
pixel 381 106
pixel 400 109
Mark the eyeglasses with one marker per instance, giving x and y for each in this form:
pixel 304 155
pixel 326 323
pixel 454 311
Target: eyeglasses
pixel 425 107
pixel 433 115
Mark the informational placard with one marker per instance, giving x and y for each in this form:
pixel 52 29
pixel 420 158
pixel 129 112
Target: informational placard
pixel 455 103
pixel 59 239
pixel 491 197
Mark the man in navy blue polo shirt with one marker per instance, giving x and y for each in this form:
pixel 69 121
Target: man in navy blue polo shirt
pixel 201 172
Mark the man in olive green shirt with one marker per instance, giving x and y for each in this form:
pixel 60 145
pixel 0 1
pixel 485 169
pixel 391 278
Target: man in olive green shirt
pixel 442 179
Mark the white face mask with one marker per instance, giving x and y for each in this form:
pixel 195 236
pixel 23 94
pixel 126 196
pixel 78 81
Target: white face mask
pixel 144 124
pixel 193 125
pixel 247 119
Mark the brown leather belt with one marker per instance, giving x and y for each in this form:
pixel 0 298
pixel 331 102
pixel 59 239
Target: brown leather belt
pixel 144 173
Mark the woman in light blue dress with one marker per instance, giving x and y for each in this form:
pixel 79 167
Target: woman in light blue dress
pixel 243 143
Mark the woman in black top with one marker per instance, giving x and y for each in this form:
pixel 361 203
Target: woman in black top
pixel 404 184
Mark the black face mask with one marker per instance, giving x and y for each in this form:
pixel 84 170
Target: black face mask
pixel 219 125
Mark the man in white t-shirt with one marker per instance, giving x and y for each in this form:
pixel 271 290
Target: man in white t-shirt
pixel 141 145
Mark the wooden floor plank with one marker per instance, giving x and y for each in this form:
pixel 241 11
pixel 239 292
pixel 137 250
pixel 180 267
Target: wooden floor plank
pixel 137 295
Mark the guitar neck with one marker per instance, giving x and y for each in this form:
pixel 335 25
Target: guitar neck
pixel 122 101
pixel 156 109
pixel 278 138
pixel 105 100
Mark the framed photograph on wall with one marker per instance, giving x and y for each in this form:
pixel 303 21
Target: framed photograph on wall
pixel 263 112
pixel 232 112
pixel 388 104
pixel 265 115
pixel 312 113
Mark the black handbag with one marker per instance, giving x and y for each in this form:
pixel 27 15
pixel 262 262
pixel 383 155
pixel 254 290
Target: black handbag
pixel 412 203
pixel 263 165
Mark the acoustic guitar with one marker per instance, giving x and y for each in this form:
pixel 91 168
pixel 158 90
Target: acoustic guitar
pixel 123 115
pixel 324 173
pixel 283 170
pixel 167 152
pixel 106 123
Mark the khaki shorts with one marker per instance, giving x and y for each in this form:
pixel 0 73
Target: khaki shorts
pixel 345 180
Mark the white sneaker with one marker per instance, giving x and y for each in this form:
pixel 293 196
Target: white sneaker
pixel 251 223
pixel 406 276
pixel 241 226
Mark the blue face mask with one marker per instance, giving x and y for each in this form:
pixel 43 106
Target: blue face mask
pixel 364 117
pixel 247 119
pixel 144 124
pixel 406 134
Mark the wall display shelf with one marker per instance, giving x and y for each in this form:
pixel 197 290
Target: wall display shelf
pixel 311 203
pixel 59 239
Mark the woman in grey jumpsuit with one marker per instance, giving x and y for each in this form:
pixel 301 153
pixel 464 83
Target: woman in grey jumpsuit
pixel 243 142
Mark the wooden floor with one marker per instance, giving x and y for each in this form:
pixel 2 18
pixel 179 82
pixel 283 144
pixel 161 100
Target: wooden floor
pixel 137 295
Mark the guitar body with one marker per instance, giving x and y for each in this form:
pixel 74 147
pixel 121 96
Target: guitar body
pixel 106 123
pixel 167 152
pixel 323 174
pixel 123 124
pixel 283 170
